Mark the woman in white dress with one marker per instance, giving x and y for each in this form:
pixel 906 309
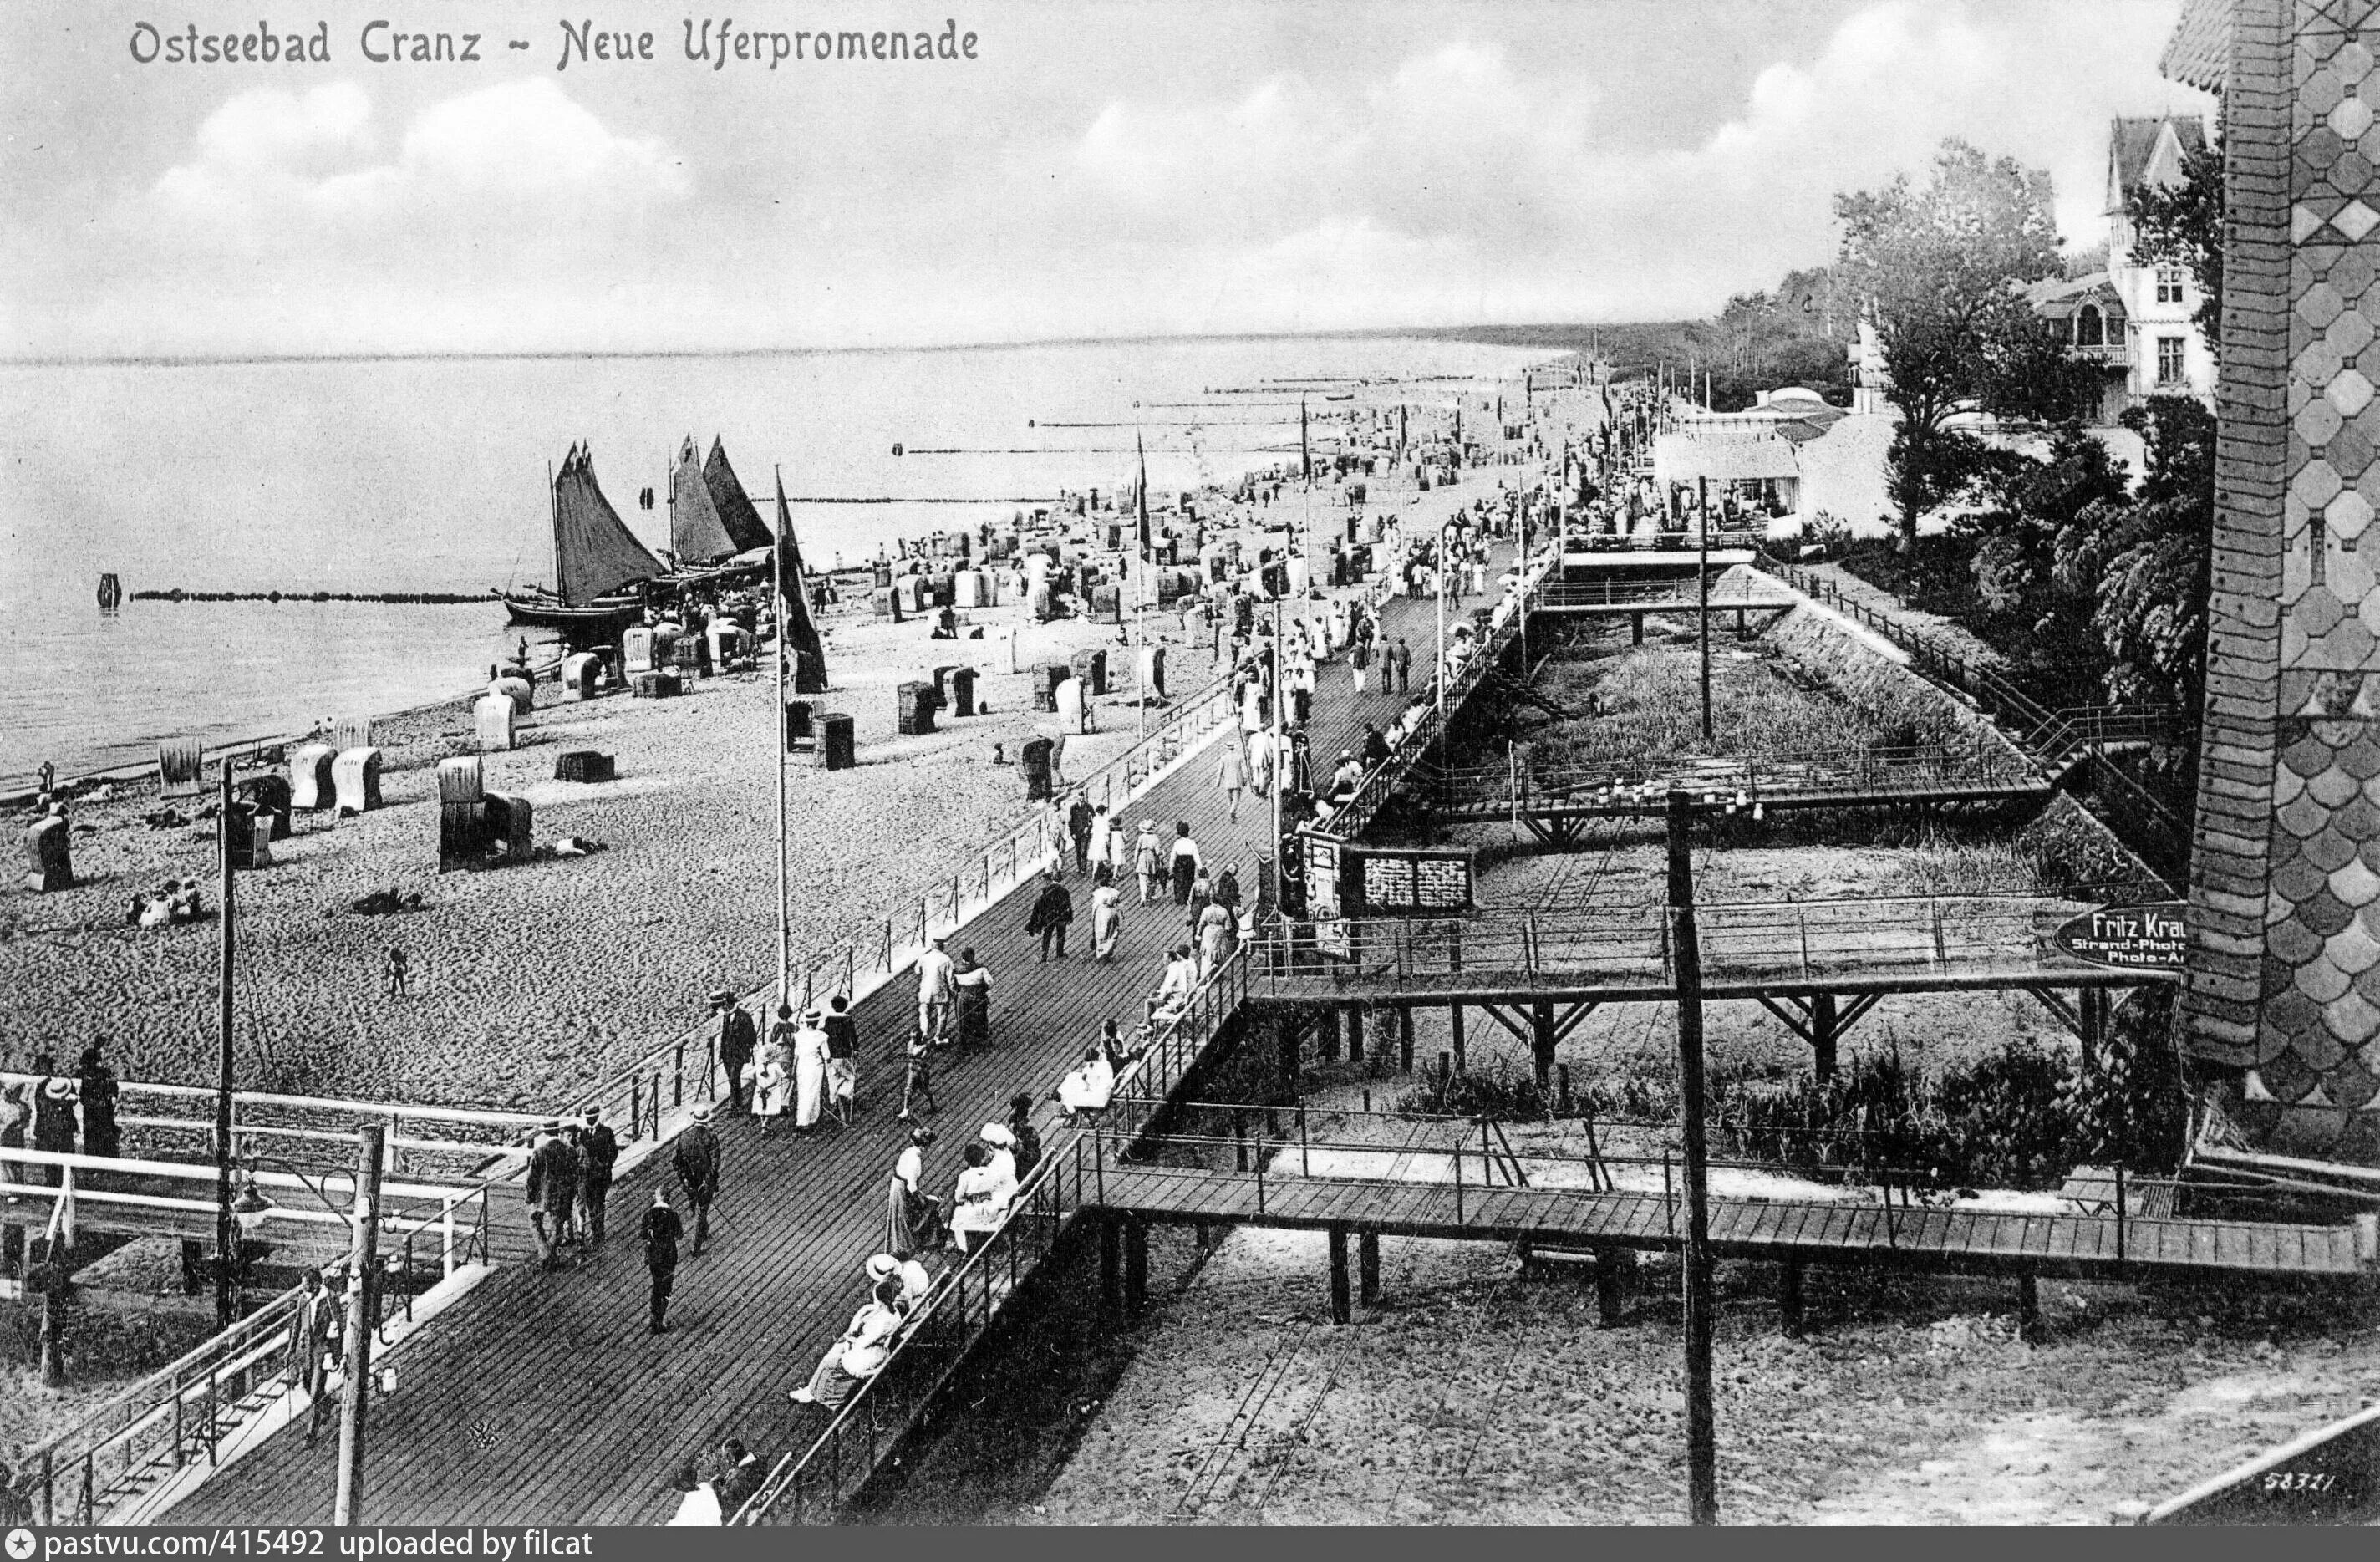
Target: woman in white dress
pixel 978 1201
pixel 1106 920
pixel 810 1069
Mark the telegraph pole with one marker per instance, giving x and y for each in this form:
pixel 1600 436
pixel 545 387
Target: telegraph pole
pixel 362 1281
pixel 1702 1427
pixel 1702 576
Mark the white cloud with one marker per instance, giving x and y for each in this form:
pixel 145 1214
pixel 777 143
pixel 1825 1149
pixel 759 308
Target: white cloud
pixel 273 166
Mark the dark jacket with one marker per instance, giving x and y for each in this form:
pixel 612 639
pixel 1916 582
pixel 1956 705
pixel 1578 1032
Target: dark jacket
pixel 738 1039
pixel 1078 819
pixel 841 1035
pixel 598 1151
pixel 696 1157
pixel 660 1229
pixel 53 1116
pixel 1374 750
pixel 554 1175
pixel 1054 909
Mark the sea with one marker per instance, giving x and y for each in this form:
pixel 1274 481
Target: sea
pixel 430 475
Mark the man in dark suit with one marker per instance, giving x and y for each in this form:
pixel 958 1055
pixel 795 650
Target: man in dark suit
pixel 1078 826
pixel 552 1192
pixel 661 1230
pixel 598 1151
pixel 695 1160
pixel 314 1342
pixel 740 1479
pixel 739 1039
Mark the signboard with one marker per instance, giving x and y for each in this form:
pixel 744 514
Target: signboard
pixel 2151 937
pixel 1396 882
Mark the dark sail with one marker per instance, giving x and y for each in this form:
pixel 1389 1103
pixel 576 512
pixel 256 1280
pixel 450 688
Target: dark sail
pixel 745 527
pixel 794 595
pixel 594 551
pixel 696 534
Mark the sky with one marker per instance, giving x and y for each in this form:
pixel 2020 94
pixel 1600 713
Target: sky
pixel 1114 169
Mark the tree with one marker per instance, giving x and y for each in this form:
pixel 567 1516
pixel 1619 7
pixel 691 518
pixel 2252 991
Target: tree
pixel 2149 563
pixel 1940 270
pixel 2182 225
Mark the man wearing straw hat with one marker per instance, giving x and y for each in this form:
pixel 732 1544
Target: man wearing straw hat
pixel 695 1158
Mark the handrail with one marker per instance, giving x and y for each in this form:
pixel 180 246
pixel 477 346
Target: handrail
pixel 635 1096
pixel 964 1302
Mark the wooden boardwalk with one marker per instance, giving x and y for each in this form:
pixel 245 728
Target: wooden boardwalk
pixel 1975 1239
pixel 541 1399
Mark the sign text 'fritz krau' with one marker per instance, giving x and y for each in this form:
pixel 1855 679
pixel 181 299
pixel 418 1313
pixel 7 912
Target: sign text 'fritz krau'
pixel 2151 937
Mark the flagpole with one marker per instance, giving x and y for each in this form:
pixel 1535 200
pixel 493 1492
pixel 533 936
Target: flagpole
pixel 1140 551
pixel 784 889
pixel 227 1251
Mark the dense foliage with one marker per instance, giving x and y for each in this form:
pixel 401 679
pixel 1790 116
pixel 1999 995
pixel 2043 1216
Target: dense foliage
pixel 2183 226
pixel 1941 270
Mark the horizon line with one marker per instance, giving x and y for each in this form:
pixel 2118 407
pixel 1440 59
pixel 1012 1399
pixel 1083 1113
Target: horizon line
pixel 193 360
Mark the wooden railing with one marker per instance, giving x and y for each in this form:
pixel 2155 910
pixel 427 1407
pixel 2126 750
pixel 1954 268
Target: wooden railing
pixel 812 1481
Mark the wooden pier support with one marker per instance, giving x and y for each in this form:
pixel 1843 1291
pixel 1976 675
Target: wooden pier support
pixel 1788 1296
pixel 1823 1029
pixel 1611 1286
pixel 1136 1267
pixel 1367 1266
pixel 2028 1305
pixel 1635 628
pixel 1111 1265
pixel 1354 1032
pixel 2090 1007
pixel 1328 1043
pixel 1404 1038
pixel 1342 1309
pixel 1541 1042
pixel 1455 1024
pixel 1284 1040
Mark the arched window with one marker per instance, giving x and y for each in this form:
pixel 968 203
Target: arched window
pixel 2090 331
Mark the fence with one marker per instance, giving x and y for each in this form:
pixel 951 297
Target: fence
pixel 1817 944
pixel 812 1483
pixel 186 1411
pixel 684 1069
pixel 1521 781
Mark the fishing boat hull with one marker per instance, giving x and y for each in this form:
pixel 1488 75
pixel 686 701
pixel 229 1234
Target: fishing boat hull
pixel 600 617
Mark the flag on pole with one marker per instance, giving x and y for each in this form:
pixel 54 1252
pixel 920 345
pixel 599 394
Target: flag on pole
pixel 1304 451
pixel 797 631
pixel 1147 542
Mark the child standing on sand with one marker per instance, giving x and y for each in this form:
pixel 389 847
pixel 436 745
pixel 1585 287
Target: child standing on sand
pixel 396 971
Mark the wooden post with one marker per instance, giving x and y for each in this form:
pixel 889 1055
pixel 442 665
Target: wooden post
pixel 1702 582
pixel 1610 1284
pixel 1702 1431
pixel 1341 1309
pixel 1788 1296
pixel 1541 1042
pixel 2087 1002
pixel 1328 1043
pixel 227 1239
pixel 363 1268
pixel 1135 1266
pixel 1404 1038
pixel 1111 1265
pixel 1822 1032
pixel 2028 1304
pixel 53 1271
pixel 1367 1266
pixel 1285 1034
pixel 1454 1023
pixel 1354 1032
pixel 1635 628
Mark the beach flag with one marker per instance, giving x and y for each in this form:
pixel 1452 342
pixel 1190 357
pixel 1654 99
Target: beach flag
pixel 1147 543
pixel 798 631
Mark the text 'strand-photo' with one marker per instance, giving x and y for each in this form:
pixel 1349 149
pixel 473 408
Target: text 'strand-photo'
pixel 1122 765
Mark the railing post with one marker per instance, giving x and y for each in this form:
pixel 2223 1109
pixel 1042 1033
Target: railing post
pixel 2119 1213
pixel 1305 1159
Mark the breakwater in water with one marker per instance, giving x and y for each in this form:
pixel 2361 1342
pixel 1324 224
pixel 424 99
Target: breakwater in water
pixel 409 599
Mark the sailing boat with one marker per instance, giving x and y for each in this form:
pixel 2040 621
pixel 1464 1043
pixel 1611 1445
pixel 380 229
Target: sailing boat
pixel 599 569
pixel 704 551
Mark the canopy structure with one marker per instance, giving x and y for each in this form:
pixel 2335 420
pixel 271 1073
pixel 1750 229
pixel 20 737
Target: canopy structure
pixel 737 512
pixel 1763 461
pixel 696 534
pixel 594 551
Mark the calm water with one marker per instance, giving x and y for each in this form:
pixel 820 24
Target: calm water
pixel 431 476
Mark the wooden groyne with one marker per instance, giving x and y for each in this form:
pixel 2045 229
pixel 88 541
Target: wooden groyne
pixel 409 599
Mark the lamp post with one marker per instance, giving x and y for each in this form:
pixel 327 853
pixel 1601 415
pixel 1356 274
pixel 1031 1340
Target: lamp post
pixel 227 1243
pixel 1702 1431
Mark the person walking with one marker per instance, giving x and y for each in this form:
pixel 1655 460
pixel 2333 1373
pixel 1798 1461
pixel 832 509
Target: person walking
pixel 1079 820
pixel 1218 926
pixel 394 972
pixel 1184 862
pixel 1106 920
pixel 95 1087
pixel 1103 833
pixel 1231 773
pixel 696 1159
pixel 314 1344
pixel 661 1230
pixel 773 1075
pixel 918 1082
pixel 842 1057
pixel 1147 860
pixel 1053 911
pixel 935 993
pixel 913 1222
pixel 809 1070
pixel 738 1039
pixel 1405 667
pixel 54 1113
pixel 599 1152
pixel 1359 662
pixel 552 1191
pixel 973 1011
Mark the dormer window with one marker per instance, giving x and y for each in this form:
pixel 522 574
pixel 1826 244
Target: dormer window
pixel 2169 284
